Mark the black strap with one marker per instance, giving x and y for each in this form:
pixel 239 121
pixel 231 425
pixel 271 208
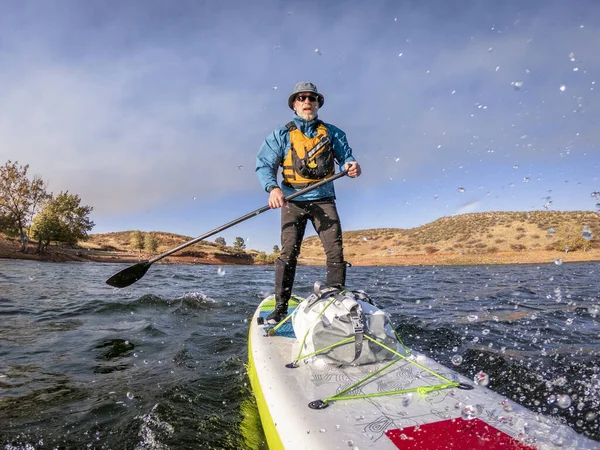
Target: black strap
pixel 356 318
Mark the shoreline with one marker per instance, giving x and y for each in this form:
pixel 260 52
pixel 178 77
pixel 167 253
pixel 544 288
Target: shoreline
pixel 80 254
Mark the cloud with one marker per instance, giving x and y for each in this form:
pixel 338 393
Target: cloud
pixel 145 106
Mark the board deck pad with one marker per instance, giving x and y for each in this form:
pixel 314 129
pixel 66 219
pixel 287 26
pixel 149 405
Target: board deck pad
pixel 454 434
pixel 390 422
pixel 286 330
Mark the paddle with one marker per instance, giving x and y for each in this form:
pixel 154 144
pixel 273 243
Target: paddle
pixel 130 275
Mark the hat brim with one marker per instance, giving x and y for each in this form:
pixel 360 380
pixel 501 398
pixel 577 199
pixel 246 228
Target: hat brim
pixel 292 98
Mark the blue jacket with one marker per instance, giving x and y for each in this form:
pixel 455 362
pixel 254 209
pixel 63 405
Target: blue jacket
pixel 277 145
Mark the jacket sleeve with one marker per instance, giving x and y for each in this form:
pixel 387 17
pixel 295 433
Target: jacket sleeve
pixel 341 149
pixel 269 158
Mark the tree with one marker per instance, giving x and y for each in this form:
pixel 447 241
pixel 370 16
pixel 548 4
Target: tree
pixel 150 242
pixel 276 248
pixel 62 219
pixel 220 241
pixel 136 239
pixel 239 243
pixel 20 199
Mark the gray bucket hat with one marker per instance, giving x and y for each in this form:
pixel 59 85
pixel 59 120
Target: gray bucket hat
pixel 305 86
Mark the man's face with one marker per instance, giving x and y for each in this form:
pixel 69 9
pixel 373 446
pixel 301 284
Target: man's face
pixel 306 105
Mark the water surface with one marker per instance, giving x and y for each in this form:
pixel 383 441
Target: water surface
pixel 160 364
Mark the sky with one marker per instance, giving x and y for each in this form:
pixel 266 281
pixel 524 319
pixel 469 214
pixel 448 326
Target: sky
pixel 153 111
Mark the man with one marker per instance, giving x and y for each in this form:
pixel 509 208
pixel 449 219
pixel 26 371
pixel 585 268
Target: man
pixel 306 149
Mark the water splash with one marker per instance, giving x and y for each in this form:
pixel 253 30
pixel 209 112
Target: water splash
pixel 151 430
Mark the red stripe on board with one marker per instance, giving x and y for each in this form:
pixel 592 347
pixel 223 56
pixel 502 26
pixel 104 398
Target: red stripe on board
pixel 454 434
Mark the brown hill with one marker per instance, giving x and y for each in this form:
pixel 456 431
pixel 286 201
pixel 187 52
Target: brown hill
pixel 479 238
pixel 116 247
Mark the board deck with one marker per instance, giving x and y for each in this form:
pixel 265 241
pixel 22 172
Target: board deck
pixel 450 418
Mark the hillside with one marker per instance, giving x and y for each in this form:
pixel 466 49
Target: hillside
pixel 478 238
pixel 116 247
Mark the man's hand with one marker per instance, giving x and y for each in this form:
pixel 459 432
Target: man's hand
pixel 353 169
pixel 276 198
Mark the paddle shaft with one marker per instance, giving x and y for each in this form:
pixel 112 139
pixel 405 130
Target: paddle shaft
pixel 246 217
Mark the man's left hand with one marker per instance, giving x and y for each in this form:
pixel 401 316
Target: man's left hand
pixel 353 169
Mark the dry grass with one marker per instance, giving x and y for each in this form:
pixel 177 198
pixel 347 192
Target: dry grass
pixel 479 238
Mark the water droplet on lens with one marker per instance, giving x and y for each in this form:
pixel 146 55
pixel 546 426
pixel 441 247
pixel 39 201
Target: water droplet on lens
pixel 220 271
pixel 456 360
pixel 130 395
pixel 558 262
pixel 482 379
pixel 468 412
pixel 472 318
pixel 586 233
pixel 563 401
pixel 516 84
pixel 562 88
pixel 461 189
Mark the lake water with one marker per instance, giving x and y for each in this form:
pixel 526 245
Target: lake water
pixel 160 364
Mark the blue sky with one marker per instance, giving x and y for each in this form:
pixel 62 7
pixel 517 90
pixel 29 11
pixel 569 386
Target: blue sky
pixel 153 111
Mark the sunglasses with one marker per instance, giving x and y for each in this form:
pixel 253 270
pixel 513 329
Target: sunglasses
pixel 310 98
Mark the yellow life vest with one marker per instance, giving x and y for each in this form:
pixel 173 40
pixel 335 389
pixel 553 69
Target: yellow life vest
pixel 308 160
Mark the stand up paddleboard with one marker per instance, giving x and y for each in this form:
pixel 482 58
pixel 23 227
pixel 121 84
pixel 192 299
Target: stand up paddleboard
pixel 317 406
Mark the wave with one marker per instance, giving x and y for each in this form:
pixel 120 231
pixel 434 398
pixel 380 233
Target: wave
pixel 190 300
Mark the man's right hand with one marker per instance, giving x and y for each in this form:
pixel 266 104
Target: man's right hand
pixel 276 198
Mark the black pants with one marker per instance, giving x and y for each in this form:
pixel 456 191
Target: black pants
pixel 324 218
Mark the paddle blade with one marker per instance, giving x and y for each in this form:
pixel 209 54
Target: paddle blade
pixel 129 276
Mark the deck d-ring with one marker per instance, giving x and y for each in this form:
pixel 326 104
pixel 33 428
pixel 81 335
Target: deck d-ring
pixel 318 404
pixel 464 386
